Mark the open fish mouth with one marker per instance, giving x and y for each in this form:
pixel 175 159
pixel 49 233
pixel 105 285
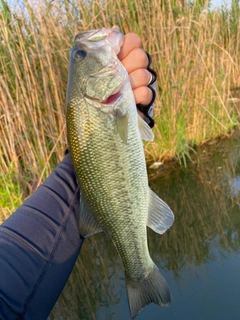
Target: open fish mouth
pixel 112 98
pixel 106 85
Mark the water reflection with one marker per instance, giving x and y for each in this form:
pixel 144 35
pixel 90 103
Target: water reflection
pixel 198 254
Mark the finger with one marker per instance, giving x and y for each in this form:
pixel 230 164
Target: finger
pixel 136 59
pixel 131 41
pixel 143 95
pixel 140 78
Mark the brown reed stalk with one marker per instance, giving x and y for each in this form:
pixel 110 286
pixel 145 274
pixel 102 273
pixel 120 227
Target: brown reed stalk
pixel 195 54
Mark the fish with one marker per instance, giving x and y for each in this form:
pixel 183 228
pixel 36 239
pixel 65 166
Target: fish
pixel 105 134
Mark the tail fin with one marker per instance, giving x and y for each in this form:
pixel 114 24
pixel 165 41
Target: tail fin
pixel 152 289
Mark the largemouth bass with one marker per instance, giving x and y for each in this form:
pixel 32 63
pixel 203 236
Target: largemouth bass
pixel 105 142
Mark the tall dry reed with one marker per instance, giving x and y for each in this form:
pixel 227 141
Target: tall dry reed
pixel 195 54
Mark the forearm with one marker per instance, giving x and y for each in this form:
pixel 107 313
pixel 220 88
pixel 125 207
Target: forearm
pixel 39 245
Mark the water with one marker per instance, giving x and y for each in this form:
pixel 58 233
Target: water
pixel 199 256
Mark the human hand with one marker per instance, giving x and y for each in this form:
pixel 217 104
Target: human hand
pixel 136 62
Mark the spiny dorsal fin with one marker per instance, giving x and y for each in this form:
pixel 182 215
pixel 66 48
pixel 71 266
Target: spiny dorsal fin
pixel 160 216
pixel 144 129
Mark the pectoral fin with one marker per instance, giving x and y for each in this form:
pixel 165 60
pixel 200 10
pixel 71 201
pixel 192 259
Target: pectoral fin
pixel 160 216
pixel 88 225
pixel 122 124
pixel 144 129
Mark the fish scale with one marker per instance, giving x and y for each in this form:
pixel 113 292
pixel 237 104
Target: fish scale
pixel 108 157
pixel 108 181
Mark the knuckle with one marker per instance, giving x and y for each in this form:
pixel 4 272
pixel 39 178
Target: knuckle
pixel 144 95
pixel 135 39
pixel 143 75
pixel 148 96
pixel 142 57
pixel 146 76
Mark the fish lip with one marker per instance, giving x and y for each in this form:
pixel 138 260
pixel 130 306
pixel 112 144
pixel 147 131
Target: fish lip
pixel 105 36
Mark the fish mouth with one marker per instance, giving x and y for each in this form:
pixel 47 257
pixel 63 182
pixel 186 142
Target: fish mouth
pixel 117 93
pixel 109 99
pixel 114 82
pixel 112 98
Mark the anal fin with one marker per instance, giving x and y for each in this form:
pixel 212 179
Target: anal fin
pixel 160 216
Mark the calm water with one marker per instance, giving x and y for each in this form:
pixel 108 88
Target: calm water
pixel 199 256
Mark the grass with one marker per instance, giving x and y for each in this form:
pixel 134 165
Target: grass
pixel 195 53
pixel 10 192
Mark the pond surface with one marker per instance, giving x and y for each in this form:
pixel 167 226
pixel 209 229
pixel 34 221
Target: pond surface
pixel 199 256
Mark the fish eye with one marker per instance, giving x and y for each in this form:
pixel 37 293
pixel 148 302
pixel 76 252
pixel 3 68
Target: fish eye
pixel 80 54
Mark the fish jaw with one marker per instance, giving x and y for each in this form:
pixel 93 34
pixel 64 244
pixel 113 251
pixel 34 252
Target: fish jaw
pixel 101 87
pixel 95 39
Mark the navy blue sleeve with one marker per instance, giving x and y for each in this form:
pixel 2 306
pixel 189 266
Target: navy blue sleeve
pixel 39 245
